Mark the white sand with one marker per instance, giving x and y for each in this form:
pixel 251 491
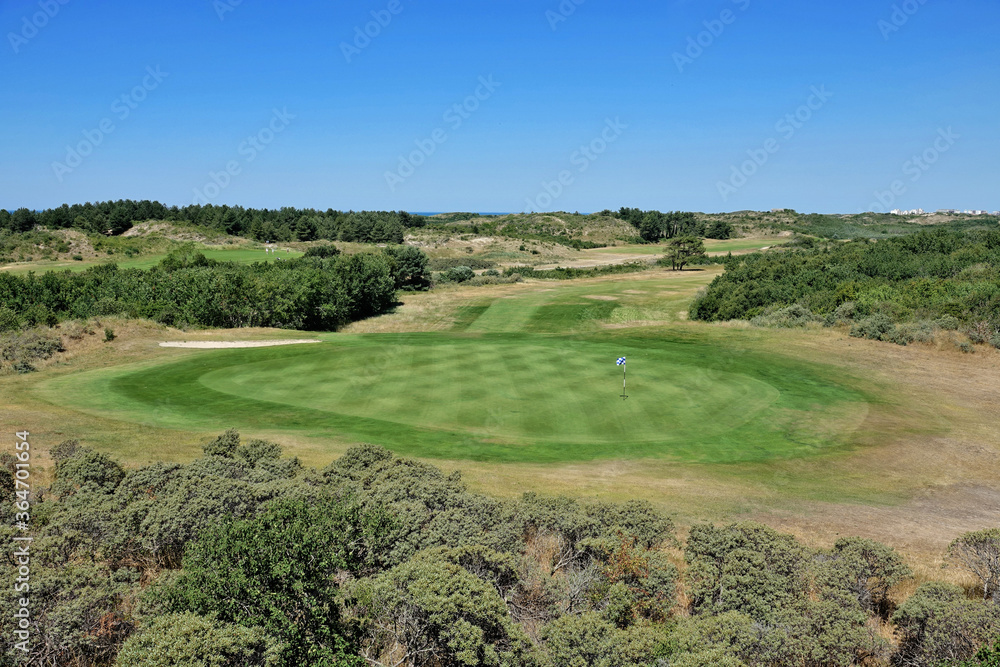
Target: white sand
pixel 221 344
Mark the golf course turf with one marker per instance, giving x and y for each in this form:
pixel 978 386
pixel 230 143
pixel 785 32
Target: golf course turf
pixel 502 397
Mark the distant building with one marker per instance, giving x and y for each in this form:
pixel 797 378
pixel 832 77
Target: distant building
pixel 946 210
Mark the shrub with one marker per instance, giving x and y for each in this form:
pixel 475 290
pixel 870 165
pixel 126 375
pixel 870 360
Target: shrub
pixel 948 323
pixel 790 317
pixel 87 471
pixel 980 332
pixel 225 445
pixel 324 250
pixel 9 321
pixel 938 623
pixel 459 274
pixel 109 334
pixel 78 258
pixel 190 640
pixel 875 327
pixel 921 331
pixel 844 314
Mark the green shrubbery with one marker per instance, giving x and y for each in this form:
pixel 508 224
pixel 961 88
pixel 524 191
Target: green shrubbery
pixel 186 288
pixel 244 557
pixel 898 290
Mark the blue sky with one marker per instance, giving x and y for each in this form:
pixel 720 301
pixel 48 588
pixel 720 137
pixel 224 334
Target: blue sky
pixel 712 105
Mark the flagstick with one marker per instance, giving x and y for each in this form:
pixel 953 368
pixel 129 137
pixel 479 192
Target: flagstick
pixel 624 371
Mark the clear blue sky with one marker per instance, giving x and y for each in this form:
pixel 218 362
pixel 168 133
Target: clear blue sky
pixel 678 128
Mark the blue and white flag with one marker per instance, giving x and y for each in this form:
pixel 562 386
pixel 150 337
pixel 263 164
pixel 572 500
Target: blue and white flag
pixel 621 361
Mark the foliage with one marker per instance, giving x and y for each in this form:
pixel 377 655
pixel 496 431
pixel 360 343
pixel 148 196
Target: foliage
pixel 323 251
pixel 190 640
pixel 410 267
pixel 682 250
pixel 382 560
pixel 459 274
pixel 428 611
pixel 24 348
pixel 305 293
pixel 986 657
pixel 587 640
pixel 77 613
pixel 938 623
pixel 745 567
pixel 719 229
pixel 273 572
pixel 865 570
pixel 654 225
pixel 928 275
pixel 979 552
pixel 87 471
pixel 786 318
pixel 285 224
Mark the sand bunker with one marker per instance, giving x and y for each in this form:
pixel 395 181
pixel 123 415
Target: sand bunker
pixel 222 344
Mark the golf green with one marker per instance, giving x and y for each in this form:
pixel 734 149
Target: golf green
pixel 495 397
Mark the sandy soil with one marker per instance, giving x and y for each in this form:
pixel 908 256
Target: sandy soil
pixel 224 344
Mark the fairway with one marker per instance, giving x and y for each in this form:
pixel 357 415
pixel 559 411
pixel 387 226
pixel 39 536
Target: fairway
pixel 495 397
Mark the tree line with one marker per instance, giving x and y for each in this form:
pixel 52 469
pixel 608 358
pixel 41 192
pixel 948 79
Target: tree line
pixel 890 289
pixel 293 224
pixel 244 557
pixel 320 291
pixel 655 226
pixel 284 224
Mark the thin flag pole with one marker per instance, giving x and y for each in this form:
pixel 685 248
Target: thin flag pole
pixel 621 362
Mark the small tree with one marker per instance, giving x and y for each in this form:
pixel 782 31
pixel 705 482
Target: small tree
pixel 864 569
pixel 980 552
pixel 410 267
pixel 683 249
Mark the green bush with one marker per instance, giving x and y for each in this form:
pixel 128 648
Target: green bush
pixel 305 293
pixel 190 640
pixel 323 250
pixel 877 327
pixel 459 274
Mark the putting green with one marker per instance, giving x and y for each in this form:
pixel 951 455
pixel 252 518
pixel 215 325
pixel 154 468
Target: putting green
pixel 494 397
